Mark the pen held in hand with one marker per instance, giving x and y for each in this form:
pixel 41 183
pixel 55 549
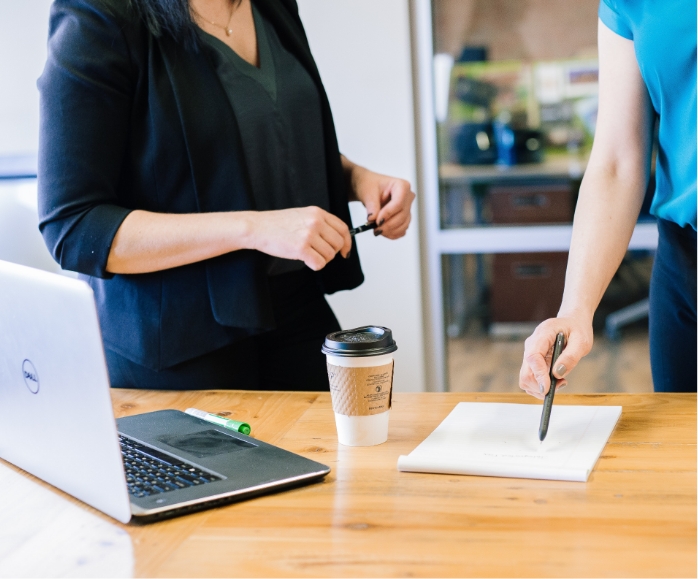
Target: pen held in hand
pixel 548 402
pixel 361 228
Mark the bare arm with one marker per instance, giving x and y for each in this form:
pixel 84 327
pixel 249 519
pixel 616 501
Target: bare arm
pixel 610 198
pixel 148 241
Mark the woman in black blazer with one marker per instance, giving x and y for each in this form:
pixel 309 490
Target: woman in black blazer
pixel 189 170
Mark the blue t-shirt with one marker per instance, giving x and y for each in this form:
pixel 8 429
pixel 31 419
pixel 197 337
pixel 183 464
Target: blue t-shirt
pixel 664 34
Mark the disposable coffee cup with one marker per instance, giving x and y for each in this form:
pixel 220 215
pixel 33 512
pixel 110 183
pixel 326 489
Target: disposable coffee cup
pixel 360 368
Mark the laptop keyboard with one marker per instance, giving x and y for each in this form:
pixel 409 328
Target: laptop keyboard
pixel 150 472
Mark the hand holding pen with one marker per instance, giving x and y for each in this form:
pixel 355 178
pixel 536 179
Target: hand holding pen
pixel 535 368
pixel 387 199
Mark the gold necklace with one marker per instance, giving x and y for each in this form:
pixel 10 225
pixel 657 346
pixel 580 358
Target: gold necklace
pixel 228 30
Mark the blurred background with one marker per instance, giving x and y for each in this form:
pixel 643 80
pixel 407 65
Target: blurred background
pixel 489 108
pixel 515 87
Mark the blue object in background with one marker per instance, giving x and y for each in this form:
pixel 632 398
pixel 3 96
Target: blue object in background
pixel 505 141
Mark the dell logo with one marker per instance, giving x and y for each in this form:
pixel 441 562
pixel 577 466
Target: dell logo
pixel 31 377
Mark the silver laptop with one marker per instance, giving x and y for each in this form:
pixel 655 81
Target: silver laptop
pixel 57 422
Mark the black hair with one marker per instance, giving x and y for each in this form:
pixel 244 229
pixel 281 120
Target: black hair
pixel 168 17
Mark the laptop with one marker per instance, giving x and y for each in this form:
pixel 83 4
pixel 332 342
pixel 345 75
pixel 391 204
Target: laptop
pixel 57 421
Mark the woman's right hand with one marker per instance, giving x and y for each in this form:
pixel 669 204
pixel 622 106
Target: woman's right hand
pixel 534 378
pixel 309 234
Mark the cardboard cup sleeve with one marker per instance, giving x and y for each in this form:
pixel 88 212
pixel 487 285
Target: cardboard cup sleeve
pixel 361 391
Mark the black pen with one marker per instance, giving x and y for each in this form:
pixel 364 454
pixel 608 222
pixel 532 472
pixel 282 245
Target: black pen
pixel 361 228
pixel 548 402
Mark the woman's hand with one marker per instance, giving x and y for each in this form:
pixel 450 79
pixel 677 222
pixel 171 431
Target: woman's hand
pixel 534 377
pixel 387 199
pixel 308 234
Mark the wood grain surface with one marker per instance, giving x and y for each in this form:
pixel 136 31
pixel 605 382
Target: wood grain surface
pixel 636 516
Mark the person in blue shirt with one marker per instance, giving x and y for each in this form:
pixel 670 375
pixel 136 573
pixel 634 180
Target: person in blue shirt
pixel 647 75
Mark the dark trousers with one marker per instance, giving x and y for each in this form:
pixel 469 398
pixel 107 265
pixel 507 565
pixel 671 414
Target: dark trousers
pixel 287 358
pixel 673 310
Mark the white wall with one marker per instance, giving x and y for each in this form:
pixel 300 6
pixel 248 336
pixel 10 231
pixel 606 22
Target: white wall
pixel 362 48
pixel 23 35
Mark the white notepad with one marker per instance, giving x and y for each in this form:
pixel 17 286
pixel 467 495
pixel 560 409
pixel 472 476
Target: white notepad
pixel 492 439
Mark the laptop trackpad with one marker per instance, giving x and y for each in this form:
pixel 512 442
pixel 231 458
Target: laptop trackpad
pixel 206 443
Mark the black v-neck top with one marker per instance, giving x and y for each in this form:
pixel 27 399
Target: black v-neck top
pixel 278 110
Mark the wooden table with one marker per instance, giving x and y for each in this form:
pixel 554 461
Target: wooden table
pixel 636 516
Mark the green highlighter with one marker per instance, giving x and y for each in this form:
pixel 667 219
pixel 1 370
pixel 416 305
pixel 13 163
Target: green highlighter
pixel 241 427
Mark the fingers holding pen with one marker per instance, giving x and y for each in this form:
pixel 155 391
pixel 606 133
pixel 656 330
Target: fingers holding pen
pixel 396 227
pixel 535 370
pixel 578 346
pixel 534 376
pixel 325 238
pixel 339 233
pixel 307 234
pixel 394 216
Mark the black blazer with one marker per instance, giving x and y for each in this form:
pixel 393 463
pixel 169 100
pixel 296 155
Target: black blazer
pixel 131 121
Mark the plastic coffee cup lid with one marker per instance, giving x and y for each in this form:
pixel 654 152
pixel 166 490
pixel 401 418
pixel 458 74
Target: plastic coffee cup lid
pixel 364 341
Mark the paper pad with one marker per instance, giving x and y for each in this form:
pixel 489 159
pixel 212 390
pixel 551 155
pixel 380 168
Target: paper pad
pixel 491 439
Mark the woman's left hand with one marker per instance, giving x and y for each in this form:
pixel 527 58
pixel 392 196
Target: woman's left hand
pixel 387 200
